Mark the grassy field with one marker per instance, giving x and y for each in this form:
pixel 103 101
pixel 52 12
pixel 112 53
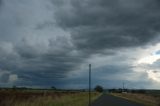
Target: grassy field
pixel 146 99
pixel 30 98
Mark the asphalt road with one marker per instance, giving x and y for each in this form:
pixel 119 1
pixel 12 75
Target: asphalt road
pixel 109 100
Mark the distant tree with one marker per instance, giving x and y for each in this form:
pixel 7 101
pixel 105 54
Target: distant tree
pixel 120 90
pixel 133 91
pixel 23 88
pixel 14 87
pixel 53 87
pixel 98 88
pixel 141 91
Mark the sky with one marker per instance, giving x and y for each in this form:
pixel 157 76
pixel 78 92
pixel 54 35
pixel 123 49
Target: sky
pixel 46 43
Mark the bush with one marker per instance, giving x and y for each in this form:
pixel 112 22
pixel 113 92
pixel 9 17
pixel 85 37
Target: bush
pixel 98 88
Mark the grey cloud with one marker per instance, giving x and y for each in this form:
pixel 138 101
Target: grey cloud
pixel 7 77
pixel 1 3
pixel 101 24
pixel 42 45
pixel 4 78
pixel 155 66
pixel 110 76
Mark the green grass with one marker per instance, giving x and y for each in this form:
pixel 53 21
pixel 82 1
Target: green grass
pixel 78 99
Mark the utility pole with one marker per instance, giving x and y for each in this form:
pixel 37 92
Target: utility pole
pixel 89 84
pixel 123 87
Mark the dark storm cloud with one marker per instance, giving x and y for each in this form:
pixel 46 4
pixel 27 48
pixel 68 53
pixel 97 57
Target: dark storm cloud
pixel 43 43
pixel 54 63
pixel 1 1
pixel 4 78
pixel 110 77
pixel 101 24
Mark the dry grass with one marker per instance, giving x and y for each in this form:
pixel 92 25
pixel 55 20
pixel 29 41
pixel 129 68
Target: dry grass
pixel 10 98
pixel 147 100
pixel 80 99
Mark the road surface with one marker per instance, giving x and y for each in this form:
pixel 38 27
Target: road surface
pixel 109 100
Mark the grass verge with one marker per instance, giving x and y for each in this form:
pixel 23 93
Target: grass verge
pixel 79 99
pixel 147 100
